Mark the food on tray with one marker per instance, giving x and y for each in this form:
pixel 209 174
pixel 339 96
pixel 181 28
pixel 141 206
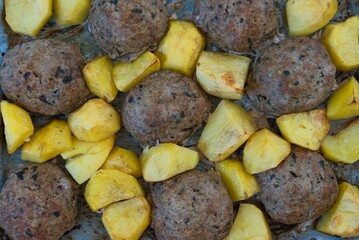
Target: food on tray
pixel 98 77
pixel 180 48
pixel 344 102
pixel 341 41
pixel 343 146
pixel 264 150
pixel 302 187
pixel 342 218
pixel 166 106
pixel 166 160
pixel 127 75
pixel 125 29
pixel 47 142
pixel 127 219
pixel 27 17
pixel 305 129
pixel 38 201
pixel 94 121
pixel 85 158
pixel 71 12
pixel 239 183
pixel 240 26
pixel 107 186
pixel 249 224
pixel 306 17
pixel 123 160
pixel 222 74
pixel 228 127
pixel 44 76
pixel 295 75
pixel 18 125
pixel 192 205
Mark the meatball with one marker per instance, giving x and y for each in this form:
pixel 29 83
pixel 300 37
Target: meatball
pixel 236 25
pixel 165 106
pixel 49 81
pixel 38 201
pixel 293 76
pixel 302 187
pixel 125 29
pixel 192 205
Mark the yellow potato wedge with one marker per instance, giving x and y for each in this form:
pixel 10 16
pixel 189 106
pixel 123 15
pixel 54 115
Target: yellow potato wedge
pixel 18 125
pixel 127 219
pixel 109 185
pixel 47 142
pixel 71 12
pixel 222 74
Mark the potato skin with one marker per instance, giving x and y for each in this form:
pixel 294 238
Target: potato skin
pixel 192 205
pixel 302 187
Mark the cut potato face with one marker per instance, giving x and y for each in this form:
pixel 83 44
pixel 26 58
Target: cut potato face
pixel 27 17
pixel 109 185
pixel 222 74
pixel 71 12
pixel 167 160
pixel 18 125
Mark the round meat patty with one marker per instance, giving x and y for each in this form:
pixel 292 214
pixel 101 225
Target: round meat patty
pixel 44 76
pixel 295 75
pixel 236 25
pixel 38 201
pixel 165 106
pixel 192 205
pixel 125 29
pixel 302 187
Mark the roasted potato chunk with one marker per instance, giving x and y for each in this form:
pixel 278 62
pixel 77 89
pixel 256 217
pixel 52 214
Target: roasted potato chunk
pixel 71 12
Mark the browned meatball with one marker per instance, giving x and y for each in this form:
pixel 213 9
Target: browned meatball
pixel 125 29
pixel 293 76
pixel 192 205
pixel 38 201
pixel 44 76
pixel 236 25
pixel 166 106
pixel 302 187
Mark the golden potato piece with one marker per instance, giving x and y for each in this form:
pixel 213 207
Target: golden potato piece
pixel 342 219
pixel 109 185
pixel 95 121
pixel 27 16
pixel 71 12
pixel 228 127
pixel 180 48
pixel 127 74
pixel 341 41
pixel 123 160
pixel 264 150
pixel 47 142
pixel 344 102
pixel 127 219
pixel 343 147
pixel 249 224
pixel 85 158
pixel 18 125
pixel 239 183
pixel 305 129
pixel 222 74
pixel 98 78
pixel 166 160
pixel 305 17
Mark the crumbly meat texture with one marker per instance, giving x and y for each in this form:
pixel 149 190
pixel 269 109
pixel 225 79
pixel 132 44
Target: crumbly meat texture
pixel 236 25
pixel 295 75
pixel 192 205
pixel 44 76
pixel 165 106
pixel 38 201
pixel 125 29
pixel 302 187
